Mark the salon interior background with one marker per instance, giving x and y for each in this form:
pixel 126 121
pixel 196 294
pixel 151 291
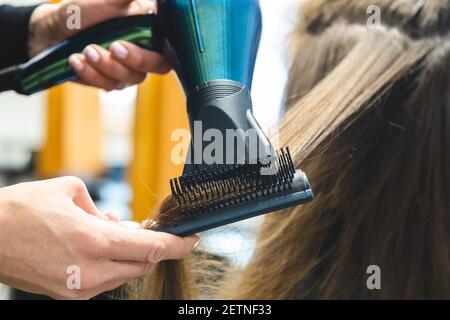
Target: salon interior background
pixel 98 133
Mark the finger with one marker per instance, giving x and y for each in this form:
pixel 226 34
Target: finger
pixel 147 246
pixel 82 199
pixel 103 62
pixel 110 275
pixel 139 59
pixel 111 216
pixel 89 75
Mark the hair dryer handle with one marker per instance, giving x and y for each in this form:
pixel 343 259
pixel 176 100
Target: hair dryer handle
pixel 51 67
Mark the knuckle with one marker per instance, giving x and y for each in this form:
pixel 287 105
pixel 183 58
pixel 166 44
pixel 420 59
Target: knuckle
pixel 140 63
pixel 163 70
pixel 148 268
pixel 159 252
pixel 87 75
pixel 110 86
pixel 75 183
pixel 137 78
pixel 109 67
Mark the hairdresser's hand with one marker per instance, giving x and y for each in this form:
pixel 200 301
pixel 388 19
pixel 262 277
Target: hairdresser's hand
pixel 52 227
pixel 123 64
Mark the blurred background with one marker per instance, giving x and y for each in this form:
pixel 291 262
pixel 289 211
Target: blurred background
pixel 119 142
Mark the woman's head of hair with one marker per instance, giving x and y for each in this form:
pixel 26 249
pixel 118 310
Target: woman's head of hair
pixel 368 119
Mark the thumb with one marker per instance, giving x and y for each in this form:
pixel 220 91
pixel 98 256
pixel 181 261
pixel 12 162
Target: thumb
pixel 77 191
pixel 148 246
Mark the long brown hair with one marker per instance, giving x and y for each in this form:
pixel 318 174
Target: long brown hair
pixel 368 119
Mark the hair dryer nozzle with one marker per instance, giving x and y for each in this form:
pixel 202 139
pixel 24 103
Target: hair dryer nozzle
pixel 224 131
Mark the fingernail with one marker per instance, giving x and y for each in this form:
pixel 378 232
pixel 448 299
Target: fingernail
pixel 92 54
pixel 76 63
pixel 119 50
pixel 196 245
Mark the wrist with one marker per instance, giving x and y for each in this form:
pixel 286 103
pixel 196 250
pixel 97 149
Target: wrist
pixel 5 203
pixel 43 28
pixel 5 208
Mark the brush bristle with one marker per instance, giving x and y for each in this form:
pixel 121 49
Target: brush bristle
pixel 220 186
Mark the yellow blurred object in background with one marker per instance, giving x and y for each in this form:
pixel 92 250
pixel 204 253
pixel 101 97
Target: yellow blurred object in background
pixel 73 142
pixel 160 109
